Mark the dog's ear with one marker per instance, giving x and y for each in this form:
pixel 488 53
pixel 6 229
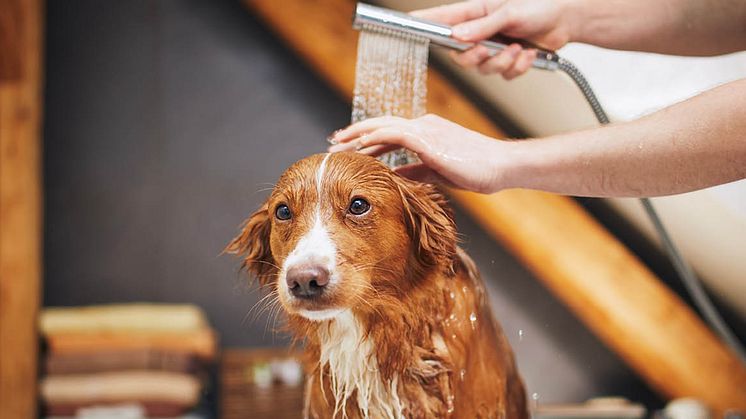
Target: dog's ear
pixel 429 222
pixel 253 244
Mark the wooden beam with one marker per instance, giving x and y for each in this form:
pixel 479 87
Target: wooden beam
pixel 20 204
pixel 600 280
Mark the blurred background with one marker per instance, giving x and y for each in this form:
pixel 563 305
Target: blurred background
pixel 165 124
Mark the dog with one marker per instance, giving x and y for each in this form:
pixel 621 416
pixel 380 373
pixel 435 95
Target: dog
pixel 393 315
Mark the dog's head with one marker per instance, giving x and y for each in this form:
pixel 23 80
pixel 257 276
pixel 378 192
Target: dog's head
pixel 341 230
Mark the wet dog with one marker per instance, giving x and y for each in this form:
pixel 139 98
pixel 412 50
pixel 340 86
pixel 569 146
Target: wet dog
pixel 393 314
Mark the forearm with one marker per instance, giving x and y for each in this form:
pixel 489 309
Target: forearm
pixel 692 145
pixel 680 27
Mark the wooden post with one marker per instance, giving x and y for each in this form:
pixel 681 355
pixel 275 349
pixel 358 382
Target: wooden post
pixel 588 269
pixel 20 204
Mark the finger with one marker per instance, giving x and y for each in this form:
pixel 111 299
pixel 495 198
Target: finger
pixel 522 64
pixel 502 62
pixel 481 28
pixel 353 145
pixel 356 130
pixel 395 136
pixel 451 14
pixel 378 150
pixel 472 57
pixel 421 173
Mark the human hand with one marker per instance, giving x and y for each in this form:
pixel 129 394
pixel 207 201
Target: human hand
pixel 450 154
pixel 545 23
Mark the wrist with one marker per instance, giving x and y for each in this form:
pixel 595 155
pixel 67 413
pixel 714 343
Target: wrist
pixel 510 165
pixel 576 18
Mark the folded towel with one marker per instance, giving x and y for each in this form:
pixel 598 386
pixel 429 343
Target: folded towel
pixel 202 343
pixel 150 409
pixel 121 411
pixel 161 393
pixel 136 317
pixel 121 360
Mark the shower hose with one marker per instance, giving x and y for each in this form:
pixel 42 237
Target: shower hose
pixel 691 283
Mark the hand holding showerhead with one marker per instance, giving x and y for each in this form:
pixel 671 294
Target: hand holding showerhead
pixel 501 48
pixel 525 26
pixel 639 25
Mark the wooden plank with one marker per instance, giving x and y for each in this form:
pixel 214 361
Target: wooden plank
pixel 241 397
pixel 10 32
pixel 600 280
pixel 20 205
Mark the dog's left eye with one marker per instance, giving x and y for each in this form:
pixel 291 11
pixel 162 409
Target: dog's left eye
pixel 282 212
pixel 359 206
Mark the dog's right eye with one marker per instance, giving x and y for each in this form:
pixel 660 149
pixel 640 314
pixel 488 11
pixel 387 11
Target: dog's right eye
pixel 359 206
pixel 282 212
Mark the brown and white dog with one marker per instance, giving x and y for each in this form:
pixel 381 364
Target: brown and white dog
pixel 393 314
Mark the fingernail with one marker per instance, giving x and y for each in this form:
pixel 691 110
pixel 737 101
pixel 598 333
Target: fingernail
pixel 331 139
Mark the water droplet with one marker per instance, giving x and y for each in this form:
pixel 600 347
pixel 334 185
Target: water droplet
pixel 452 317
pixel 535 398
pixel 520 335
pixel 462 374
pixel 449 400
pixel 453 336
pixel 453 295
pixel 473 320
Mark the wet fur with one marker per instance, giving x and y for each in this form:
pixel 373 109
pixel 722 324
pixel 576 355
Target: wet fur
pixel 418 338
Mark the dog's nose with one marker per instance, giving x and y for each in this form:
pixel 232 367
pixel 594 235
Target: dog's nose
pixel 307 281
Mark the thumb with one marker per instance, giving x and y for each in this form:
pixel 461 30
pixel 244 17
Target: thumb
pixel 482 28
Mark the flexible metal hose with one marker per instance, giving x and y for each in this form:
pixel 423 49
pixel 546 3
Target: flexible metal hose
pixel 569 68
pixel 692 284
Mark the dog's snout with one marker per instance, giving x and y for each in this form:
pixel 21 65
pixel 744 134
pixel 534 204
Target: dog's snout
pixel 307 281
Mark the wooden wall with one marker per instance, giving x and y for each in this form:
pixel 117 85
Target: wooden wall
pixel 20 203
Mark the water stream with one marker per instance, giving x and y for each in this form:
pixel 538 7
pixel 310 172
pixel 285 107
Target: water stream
pixel 390 80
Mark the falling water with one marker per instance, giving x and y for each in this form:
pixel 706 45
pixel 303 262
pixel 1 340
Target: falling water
pixel 390 80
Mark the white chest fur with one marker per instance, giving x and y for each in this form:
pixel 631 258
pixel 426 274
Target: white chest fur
pixel 353 367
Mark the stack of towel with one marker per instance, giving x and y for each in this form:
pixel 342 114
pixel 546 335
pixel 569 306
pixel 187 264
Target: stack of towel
pixel 151 355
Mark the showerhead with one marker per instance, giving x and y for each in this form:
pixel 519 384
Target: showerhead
pixel 372 17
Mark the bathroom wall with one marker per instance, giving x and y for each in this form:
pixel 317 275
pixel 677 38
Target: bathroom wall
pixel 167 122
